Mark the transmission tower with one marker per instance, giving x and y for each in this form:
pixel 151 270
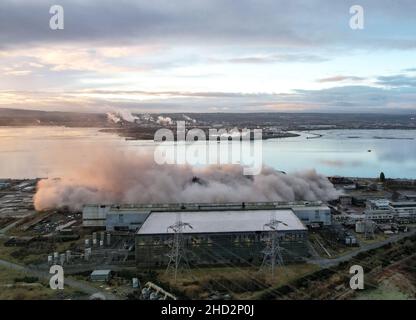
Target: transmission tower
pixel 368 228
pixel 177 256
pixel 272 253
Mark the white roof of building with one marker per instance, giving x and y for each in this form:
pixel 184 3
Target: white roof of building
pixel 220 221
pixel 100 272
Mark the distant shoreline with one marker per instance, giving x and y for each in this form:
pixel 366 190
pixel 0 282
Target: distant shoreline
pixel 138 134
pixel 147 133
pixel 274 125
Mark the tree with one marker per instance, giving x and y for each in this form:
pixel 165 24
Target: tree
pixel 382 177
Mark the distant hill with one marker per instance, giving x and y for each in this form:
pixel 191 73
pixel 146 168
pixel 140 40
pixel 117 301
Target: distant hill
pixel 14 117
pixel 144 125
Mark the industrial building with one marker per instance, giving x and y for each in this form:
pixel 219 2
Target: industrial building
pixel 218 234
pixel 125 218
pixel 378 204
pixel 4 184
pixel 314 216
pixel 383 209
pixel 100 275
pixel 219 237
pixel 386 211
pixel 345 200
pixel 113 217
pixel 404 210
pixel 130 217
pixel 95 215
pixel 379 215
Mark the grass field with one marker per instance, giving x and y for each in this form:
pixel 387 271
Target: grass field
pixel 33 254
pixel 385 291
pixel 241 282
pixel 15 285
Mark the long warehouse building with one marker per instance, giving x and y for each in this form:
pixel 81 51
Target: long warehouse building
pixel 223 237
pixel 130 217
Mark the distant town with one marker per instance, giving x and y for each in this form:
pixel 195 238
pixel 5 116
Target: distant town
pixel 142 126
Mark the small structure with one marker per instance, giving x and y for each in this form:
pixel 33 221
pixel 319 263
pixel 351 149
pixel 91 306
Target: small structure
pixel 100 275
pixel 95 215
pixel 345 200
pixel 114 217
pixel 379 215
pixel 135 283
pixel 378 204
pixel 313 215
pixel 125 218
pixel 4 185
pixel 350 240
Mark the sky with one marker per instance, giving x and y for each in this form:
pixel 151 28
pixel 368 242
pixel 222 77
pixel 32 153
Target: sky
pixel 209 56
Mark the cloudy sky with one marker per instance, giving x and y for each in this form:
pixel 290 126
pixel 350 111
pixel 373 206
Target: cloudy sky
pixel 209 56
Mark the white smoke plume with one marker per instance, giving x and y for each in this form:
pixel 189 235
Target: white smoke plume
pixel 164 120
pixel 112 117
pixel 108 176
pixel 118 115
pixel 127 115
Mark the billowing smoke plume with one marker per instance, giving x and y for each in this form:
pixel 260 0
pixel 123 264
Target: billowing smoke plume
pixel 113 117
pixel 164 120
pixel 121 114
pixel 106 176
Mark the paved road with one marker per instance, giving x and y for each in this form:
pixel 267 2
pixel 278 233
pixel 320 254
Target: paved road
pixel 84 287
pixel 327 263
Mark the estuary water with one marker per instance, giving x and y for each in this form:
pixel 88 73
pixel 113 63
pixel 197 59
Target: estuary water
pixel 29 152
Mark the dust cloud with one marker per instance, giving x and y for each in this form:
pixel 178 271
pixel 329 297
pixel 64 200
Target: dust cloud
pixel 107 175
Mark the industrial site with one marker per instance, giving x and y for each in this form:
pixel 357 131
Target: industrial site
pixel 216 251
pixel 207 159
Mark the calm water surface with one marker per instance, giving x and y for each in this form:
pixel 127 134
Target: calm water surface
pixel 33 151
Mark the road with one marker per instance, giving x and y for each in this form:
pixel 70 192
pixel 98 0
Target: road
pixel 84 287
pixel 327 263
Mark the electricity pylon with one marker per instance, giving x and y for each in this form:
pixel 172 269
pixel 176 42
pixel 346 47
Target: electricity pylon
pixel 368 228
pixel 177 256
pixel 272 253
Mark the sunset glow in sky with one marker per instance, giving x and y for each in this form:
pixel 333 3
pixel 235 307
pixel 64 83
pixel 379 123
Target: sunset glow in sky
pixel 208 56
